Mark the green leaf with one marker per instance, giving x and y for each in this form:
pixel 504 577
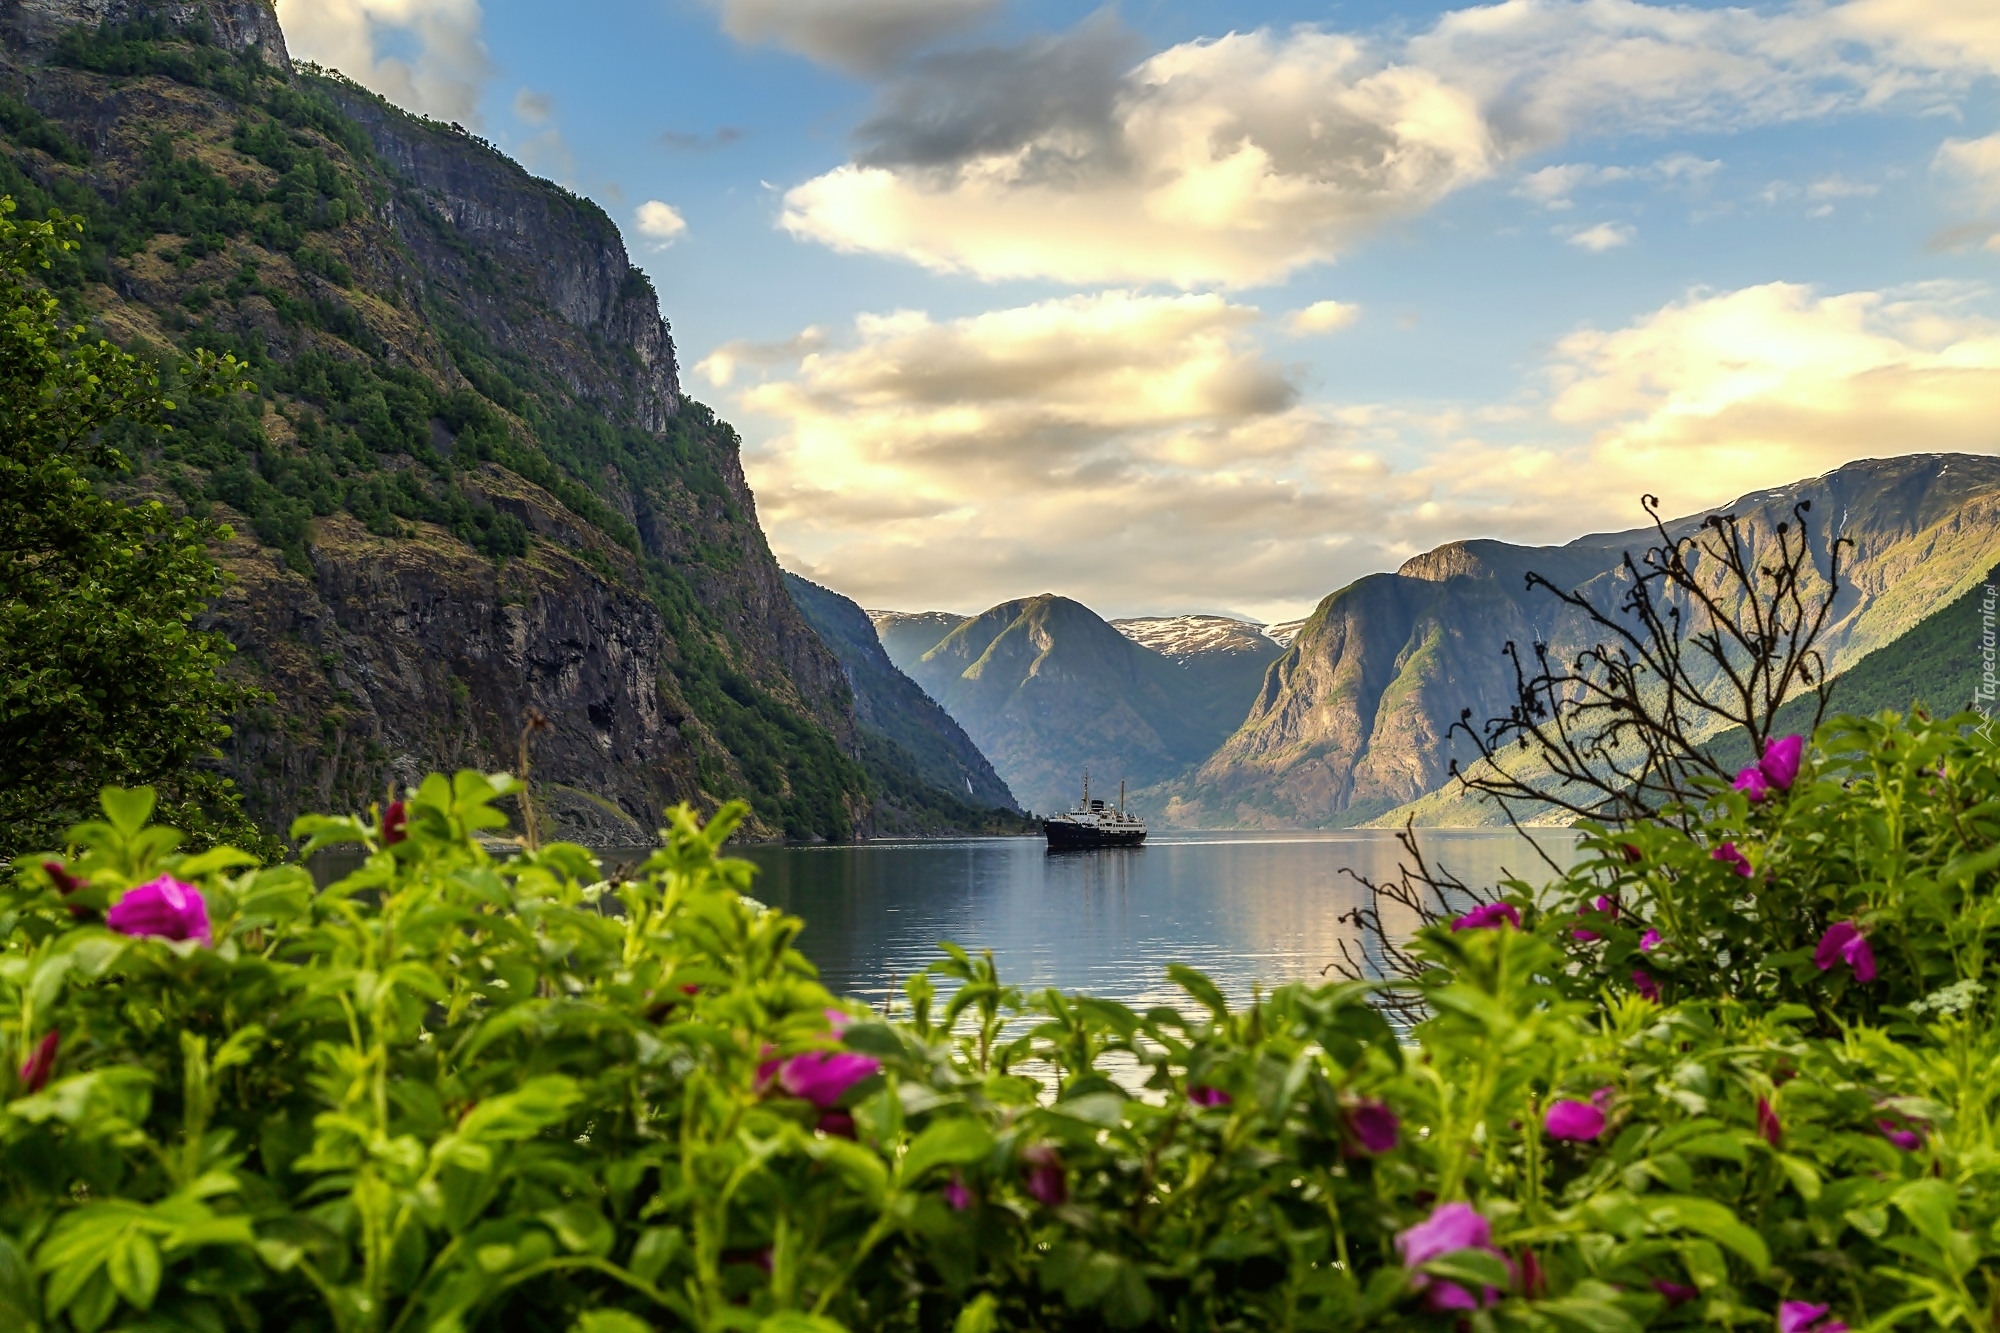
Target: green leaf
pixel 609 1321
pixel 656 1248
pixel 1705 1217
pixel 127 809
pixel 1103 1109
pixel 794 1321
pixel 953 1142
pixel 981 1316
pixel 581 1228
pixel 1200 988
pixel 134 1267
pixel 1474 1268
pixel 1928 1204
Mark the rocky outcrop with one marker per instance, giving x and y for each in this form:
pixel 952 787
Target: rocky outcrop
pixel 34 25
pixel 589 550
pixel 1354 720
pixel 892 707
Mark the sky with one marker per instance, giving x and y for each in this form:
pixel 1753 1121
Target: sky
pixel 1188 306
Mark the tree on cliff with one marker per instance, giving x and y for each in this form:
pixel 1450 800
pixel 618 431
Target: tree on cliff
pixel 103 678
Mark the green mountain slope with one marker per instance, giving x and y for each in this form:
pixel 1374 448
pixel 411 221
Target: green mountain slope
pixel 1047 688
pixel 1353 721
pixel 907 635
pixel 468 489
pixel 926 773
pixel 1937 664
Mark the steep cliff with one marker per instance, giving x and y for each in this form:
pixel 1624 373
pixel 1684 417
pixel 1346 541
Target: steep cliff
pixel 467 487
pixel 906 734
pixel 1353 720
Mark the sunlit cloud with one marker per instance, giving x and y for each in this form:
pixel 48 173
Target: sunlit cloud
pixel 1323 317
pixel 445 77
pixel 1603 236
pixel 1236 161
pixel 1144 454
pixel 660 223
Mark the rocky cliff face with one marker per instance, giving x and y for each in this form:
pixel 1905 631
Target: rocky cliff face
pixel 1353 720
pixel 467 487
pixel 895 712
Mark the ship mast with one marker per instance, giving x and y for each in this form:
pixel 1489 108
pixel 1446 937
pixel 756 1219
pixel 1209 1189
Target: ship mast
pixel 1121 798
pixel 1086 789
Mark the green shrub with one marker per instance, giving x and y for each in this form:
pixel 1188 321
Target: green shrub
pixel 449 1092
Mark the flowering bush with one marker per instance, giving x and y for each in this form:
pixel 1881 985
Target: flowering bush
pixel 450 1092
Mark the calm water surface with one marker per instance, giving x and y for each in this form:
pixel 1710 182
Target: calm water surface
pixel 1247 908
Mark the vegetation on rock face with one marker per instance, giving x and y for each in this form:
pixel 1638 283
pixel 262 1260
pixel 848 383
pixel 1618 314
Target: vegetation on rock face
pixel 1716 1076
pixel 103 678
pixel 235 206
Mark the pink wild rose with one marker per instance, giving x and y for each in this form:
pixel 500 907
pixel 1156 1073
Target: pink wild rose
pixel 1769 1127
pixel 1805 1317
pixel 41 1063
pixel 1731 856
pixel 1048 1182
pixel 956 1195
pixel 1649 941
pixel 1780 764
pixel 1374 1126
pixel 1450 1227
pixel 1753 784
pixel 1903 1136
pixel 1488 917
pixel 823 1077
pixel 395 823
pixel 1573 1120
pixel 163 908
pixel 1844 943
pixel 1677 1293
pixel 1642 981
pixel 1202 1095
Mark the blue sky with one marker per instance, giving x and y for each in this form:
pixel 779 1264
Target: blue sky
pixel 1186 306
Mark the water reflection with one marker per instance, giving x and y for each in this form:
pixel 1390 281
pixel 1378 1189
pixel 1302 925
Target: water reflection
pixel 1249 909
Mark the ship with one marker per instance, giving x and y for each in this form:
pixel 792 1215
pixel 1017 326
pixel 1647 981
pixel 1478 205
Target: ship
pixel 1093 823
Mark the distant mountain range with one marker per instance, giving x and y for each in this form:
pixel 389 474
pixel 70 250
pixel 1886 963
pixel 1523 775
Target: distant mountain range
pixel 1344 718
pixel 1047 688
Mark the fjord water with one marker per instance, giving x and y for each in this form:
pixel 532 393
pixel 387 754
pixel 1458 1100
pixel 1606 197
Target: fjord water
pixel 1250 909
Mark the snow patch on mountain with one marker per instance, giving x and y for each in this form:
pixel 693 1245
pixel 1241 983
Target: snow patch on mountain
pixel 1282 634
pixel 1184 637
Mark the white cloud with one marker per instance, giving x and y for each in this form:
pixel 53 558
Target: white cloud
pixel 532 107
pixel 1238 160
pixel 1323 317
pixel 1601 237
pixel 659 222
pixel 1974 163
pixel 859 36
pixel 720 366
pixel 447 74
pixel 1141 453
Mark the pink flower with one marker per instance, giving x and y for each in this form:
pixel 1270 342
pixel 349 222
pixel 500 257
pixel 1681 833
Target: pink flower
pixel 1487 917
pixel 1844 942
pixel 1047 1182
pixel 838 1124
pixel 1753 784
pixel 1606 906
pixel 1375 1126
pixel 823 1077
pixel 1206 1096
pixel 1903 1136
pixel 1780 764
pixel 1728 854
pixel 1649 941
pixel 1632 854
pixel 1804 1317
pixel 1769 1128
pixel 1642 981
pixel 59 875
pixel 165 908
pixel 1450 1227
pixel 1677 1293
pixel 1602 1097
pixel 1574 1120
pixel 956 1195
pixel 395 823
pixel 41 1063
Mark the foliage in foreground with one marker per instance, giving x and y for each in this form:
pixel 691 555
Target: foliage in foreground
pixel 449 1093
pixel 103 678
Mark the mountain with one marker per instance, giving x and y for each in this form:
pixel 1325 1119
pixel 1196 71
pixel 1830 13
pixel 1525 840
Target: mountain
pixel 1047 688
pixel 1224 659
pixel 468 488
pixel 1352 721
pixel 905 734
